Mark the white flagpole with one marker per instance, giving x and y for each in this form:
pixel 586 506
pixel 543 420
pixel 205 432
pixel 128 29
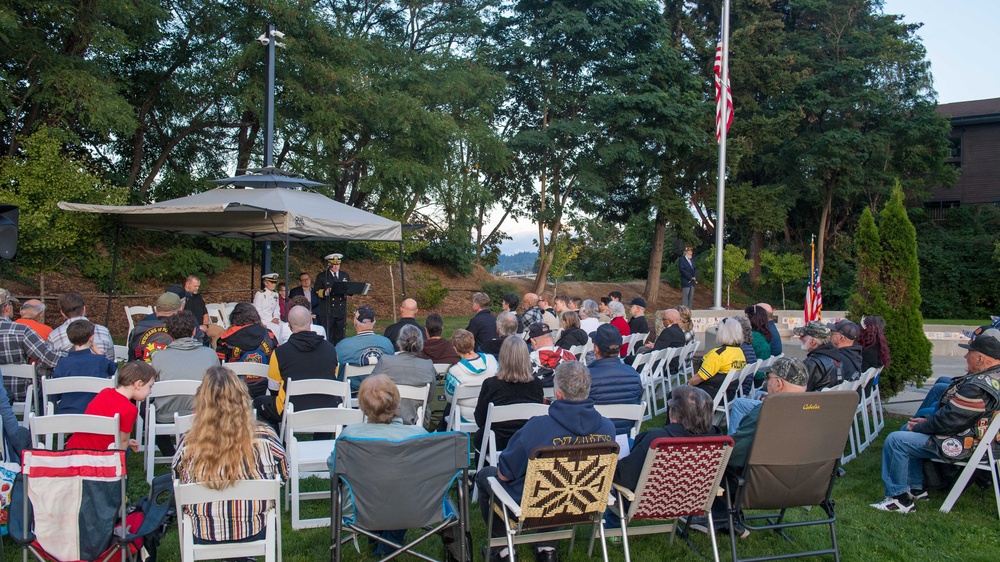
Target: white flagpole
pixel 720 222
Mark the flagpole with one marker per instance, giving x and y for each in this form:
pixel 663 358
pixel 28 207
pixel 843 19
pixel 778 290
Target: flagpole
pixel 720 223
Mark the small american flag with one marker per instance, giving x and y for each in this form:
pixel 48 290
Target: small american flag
pixel 718 97
pixel 814 293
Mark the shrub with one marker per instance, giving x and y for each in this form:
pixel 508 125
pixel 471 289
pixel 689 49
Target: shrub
pixel 496 290
pixel 178 263
pixel 431 293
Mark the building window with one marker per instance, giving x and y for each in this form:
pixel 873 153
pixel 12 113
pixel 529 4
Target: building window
pixel 955 144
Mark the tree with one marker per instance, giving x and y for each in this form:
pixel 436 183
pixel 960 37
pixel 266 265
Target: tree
pixel 904 331
pixel 45 175
pixel 888 285
pixel 783 268
pixel 734 264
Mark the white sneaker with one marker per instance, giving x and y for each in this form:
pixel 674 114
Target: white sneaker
pixel 893 504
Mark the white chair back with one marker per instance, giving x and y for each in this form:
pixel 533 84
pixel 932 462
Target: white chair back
pixel 130 313
pixel 339 389
pixel 217 314
pixel 153 428
pixel 631 412
pixel 418 393
pixel 244 490
pixel 182 425
pixel 62 385
pixel 27 372
pixel 455 420
pixel 62 424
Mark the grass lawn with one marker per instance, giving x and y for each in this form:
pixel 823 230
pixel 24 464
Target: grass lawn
pixel 968 533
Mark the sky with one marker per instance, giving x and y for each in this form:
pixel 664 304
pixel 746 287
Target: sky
pixel 961 38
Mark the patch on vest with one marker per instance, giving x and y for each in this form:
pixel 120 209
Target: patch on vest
pixel 951 447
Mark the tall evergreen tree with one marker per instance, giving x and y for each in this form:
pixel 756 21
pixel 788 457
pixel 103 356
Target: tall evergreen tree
pixel 900 278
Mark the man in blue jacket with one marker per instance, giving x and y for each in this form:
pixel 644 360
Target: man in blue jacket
pixel 612 382
pixel 688 276
pixel 572 419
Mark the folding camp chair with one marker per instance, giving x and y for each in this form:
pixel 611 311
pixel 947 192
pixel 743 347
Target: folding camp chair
pixel 75 499
pixel 793 462
pixel 404 484
pixel 269 546
pixel 983 458
pixel 564 487
pixel 680 478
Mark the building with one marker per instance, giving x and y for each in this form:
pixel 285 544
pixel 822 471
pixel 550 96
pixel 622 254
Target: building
pixel 975 148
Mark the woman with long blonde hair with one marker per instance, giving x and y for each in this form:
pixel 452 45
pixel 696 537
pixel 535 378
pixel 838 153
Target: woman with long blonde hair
pixel 227 444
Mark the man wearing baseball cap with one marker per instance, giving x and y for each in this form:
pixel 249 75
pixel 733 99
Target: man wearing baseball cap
pixel 546 355
pixel 638 324
pixel 366 348
pixel 611 380
pixel 950 432
pixel 843 335
pixel 823 361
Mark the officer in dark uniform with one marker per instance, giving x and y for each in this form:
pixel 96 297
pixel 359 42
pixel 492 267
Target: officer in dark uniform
pixel 332 310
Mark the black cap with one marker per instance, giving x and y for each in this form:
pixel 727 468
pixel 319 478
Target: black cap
pixel 845 328
pixel 638 301
pixel 987 343
pixel 538 329
pixel 365 313
pixel 606 336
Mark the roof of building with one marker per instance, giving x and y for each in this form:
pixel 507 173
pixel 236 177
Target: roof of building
pixel 970 108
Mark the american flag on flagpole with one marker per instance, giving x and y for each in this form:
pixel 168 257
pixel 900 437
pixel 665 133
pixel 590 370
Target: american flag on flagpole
pixel 814 292
pixel 718 96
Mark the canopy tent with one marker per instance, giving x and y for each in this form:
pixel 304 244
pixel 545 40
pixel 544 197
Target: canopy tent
pixel 268 214
pixel 277 214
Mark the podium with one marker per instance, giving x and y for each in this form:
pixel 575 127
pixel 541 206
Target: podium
pixel 349 288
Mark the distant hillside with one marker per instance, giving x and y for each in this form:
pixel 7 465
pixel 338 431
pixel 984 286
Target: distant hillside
pixel 521 262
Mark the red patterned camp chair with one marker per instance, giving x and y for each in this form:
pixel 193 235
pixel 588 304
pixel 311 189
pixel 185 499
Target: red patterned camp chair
pixel 75 500
pixel 680 478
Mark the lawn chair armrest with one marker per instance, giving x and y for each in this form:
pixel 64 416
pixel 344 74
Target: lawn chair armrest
pixel 501 494
pixel 629 494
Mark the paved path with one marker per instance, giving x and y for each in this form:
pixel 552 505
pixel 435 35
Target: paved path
pixel 906 402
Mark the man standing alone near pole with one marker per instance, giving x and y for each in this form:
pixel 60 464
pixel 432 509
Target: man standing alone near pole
pixel 332 312
pixel 688 276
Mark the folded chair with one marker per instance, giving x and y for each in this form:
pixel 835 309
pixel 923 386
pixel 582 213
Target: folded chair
pixel 381 484
pixel 680 478
pixel 793 462
pixel 75 499
pixel 564 487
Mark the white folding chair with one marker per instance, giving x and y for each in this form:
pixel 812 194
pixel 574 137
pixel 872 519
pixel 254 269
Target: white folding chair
pixel 227 310
pixel 182 425
pixel 578 350
pixel 854 434
pixel 687 357
pixel 153 428
pixel 339 389
pixel 353 371
pixel 982 459
pixel 217 314
pixel 663 375
pixel 243 490
pixel 720 404
pixel 308 458
pixel 418 393
pixel 58 425
pixel 27 372
pixel 631 412
pixel 130 313
pixel 442 368
pixel 556 334
pixel 62 385
pixel 867 378
pixel 499 414
pixel 749 371
pixel 455 420
pixel 121 354
pixel 873 398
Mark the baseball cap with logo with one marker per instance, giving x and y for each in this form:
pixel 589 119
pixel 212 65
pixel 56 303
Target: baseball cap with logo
pixel 987 343
pixel 537 329
pixel 365 313
pixel 790 369
pixel 814 329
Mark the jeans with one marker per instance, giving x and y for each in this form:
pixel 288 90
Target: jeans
pixel 930 403
pixel 902 461
pixel 738 409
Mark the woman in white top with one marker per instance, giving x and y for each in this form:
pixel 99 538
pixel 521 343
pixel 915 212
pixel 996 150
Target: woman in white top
pixel 471 370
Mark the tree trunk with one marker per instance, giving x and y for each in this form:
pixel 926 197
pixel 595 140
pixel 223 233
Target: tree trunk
pixel 756 244
pixel 546 261
pixel 824 224
pixel 652 291
pixel 783 307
